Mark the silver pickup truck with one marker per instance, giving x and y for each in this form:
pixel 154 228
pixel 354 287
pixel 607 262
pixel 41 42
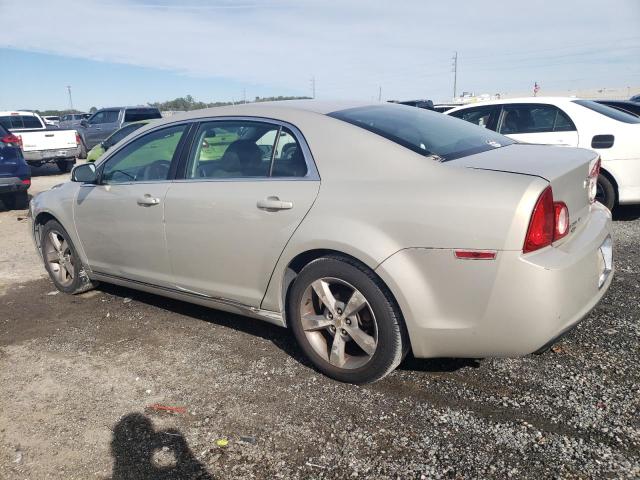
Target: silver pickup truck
pixel 40 144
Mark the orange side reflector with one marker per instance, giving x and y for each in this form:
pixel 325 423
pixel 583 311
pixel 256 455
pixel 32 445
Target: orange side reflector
pixel 475 255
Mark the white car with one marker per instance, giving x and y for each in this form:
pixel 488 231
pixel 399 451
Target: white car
pixel 571 122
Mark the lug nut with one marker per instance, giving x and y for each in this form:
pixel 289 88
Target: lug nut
pixel 330 316
pixel 333 329
pixel 339 312
pixel 348 321
pixel 344 332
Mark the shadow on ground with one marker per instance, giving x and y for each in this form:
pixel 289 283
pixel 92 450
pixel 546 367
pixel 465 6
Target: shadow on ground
pixel 626 213
pixel 280 337
pixel 142 453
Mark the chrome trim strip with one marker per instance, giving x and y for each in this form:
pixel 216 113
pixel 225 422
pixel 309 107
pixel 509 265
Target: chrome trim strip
pixel 247 310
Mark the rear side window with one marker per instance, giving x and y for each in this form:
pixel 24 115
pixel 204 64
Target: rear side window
pixel 608 111
pixel 533 118
pixel 423 131
pixel 31 122
pixel 136 114
pixel 232 149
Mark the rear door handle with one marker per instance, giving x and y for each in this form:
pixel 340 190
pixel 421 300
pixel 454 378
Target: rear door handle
pixel 274 203
pixel 148 201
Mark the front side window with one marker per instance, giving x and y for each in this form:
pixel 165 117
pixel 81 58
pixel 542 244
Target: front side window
pixel 423 131
pixel 145 159
pixel 244 149
pixel 11 122
pixel 481 116
pixel 120 134
pixel 105 116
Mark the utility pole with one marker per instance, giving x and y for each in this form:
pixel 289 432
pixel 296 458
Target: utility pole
pixel 454 66
pixel 70 99
pixel 313 87
pixel 380 93
pixel 244 95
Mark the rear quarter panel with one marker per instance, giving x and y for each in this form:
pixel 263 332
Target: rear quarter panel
pixel 377 198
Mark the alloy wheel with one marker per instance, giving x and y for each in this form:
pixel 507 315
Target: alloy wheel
pixel 59 258
pixel 339 323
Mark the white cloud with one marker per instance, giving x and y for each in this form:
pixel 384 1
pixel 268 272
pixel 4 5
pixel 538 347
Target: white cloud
pixel 350 46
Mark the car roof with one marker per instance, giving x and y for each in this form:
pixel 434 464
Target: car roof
pixel 17 112
pixel 286 108
pixel 506 101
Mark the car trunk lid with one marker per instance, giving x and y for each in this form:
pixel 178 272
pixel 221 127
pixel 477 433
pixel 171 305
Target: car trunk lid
pixel 566 169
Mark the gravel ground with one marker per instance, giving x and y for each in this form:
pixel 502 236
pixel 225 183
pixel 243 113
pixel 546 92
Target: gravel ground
pixel 79 377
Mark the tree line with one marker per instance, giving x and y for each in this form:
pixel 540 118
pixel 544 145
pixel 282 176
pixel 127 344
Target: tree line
pixel 179 104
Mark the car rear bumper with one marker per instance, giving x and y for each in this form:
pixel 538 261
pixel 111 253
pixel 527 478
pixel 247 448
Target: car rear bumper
pixel 12 184
pixel 511 306
pixel 51 155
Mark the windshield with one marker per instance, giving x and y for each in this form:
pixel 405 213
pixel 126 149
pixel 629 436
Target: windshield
pixel 422 131
pixel 607 111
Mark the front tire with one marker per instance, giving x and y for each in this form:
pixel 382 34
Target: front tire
pixel 346 321
pixel 606 192
pixel 61 260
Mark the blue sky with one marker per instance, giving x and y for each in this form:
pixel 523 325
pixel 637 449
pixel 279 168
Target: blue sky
pixel 137 51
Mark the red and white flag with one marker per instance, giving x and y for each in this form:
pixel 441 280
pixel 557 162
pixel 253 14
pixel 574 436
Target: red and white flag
pixel 536 88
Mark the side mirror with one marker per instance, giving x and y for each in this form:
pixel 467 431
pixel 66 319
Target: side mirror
pixel 84 123
pixel 85 173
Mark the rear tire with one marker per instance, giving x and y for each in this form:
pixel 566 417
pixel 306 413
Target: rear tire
pixel 61 260
pixel 83 150
pixel 359 348
pixel 606 192
pixel 65 166
pixel 16 201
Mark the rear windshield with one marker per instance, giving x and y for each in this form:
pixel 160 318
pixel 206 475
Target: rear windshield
pixel 607 111
pixel 135 114
pixel 422 131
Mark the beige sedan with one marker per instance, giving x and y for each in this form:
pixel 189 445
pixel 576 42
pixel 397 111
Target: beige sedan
pixel 367 229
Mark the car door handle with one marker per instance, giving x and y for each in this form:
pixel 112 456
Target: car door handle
pixel 148 201
pixel 274 203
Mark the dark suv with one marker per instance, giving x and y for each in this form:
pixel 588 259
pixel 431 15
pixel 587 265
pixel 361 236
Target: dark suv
pixel 15 174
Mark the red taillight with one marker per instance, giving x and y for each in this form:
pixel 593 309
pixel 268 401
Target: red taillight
pixel 593 181
pixel 541 226
pixel 78 139
pixel 11 138
pixel 26 181
pixel 549 222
